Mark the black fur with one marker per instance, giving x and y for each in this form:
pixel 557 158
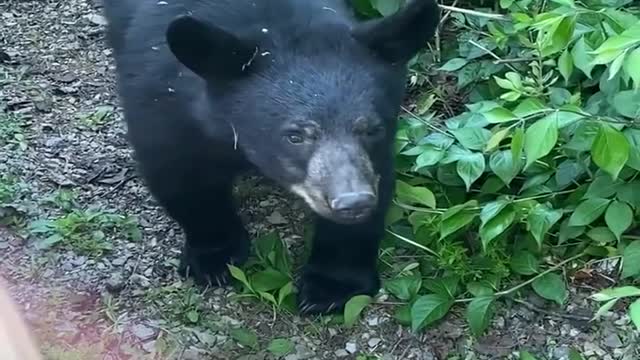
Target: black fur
pixel 213 88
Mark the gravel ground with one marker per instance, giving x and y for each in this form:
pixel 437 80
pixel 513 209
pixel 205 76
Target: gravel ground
pixel 56 84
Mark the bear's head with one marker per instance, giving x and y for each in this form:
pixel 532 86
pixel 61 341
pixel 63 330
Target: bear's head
pixel 312 104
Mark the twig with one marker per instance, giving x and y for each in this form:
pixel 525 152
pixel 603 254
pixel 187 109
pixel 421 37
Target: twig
pixel 492 54
pixel 473 12
pixel 532 307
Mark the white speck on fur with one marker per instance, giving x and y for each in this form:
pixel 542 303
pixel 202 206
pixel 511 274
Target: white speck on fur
pixel 265 30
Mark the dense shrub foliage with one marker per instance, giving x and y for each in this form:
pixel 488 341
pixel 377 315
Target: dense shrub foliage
pixel 538 171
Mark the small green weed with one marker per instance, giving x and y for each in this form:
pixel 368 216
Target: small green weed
pixel 179 303
pixel 267 276
pixel 97 118
pixel 12 207
pixel 12 131
pixel 85 231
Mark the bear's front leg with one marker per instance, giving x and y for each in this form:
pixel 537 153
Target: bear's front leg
pixel 342 264
pixel 215 235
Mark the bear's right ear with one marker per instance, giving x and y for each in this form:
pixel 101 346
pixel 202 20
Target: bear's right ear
pixel 207 50
pixel 398 37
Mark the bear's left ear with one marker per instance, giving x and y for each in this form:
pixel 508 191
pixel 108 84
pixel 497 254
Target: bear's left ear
pixel 207 50
pixel 398 37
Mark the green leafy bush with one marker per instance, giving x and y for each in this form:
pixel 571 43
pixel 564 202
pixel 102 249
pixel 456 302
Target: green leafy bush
pixel 539 170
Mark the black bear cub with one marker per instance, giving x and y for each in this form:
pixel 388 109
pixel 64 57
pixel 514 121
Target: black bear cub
pixel 298 89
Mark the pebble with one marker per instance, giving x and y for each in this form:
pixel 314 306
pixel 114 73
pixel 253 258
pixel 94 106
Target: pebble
pixel 119 261
pixel 373 342
pixel 115 283
pixel 351 347
pixel 612 341
pixel 341 353
pixel 143 332
pixel 276 218
pixel 561 353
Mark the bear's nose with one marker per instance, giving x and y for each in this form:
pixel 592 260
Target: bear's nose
pixel 354 204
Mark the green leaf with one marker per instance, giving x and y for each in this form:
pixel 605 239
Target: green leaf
pixel 499 115
pixel 610 150
pixel 632 67
pixel 428 309
pixel 601 235
pixel 540 138
pixel 404 288
pixel 568 232
pixel 454 64
pixel 524 263
pixel 565 65
pixel 457 217
pixel 551 287
pixel 496 225
pixel 528 107
pixel 630 193
pixel 631 260
pixel 569 3
pixel 627 103
pixel 446 286
pixel 502 164
pixel 634 313
pixel 268 279
pixel 495 139
pixel 540 220
pixel 244 337
pixel 479 314
pixel 415 194
pixel 386 7
pixel 354 307
pixel 633 136
pixel 618 217
pixel 281 347
pixel 616 65
pixel 473 138
pixel 525 355
pixel 284 292
pixel 575 355
pixel 517 145
pixel 238 274
pixel 627 39
pixel 582 57
pixel 470 168
pixel 193 316
pixel 604 308
pixel 616 293
pixel 588 211
pixel 429 157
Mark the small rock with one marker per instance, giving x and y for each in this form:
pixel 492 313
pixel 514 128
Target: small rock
pixel 143 332
pixel 53 142
pixel 120 261
pixel 341 353
pixel 96 19
pixel 276 218
pixel 373 342
pixel 612 341
pixel 373 321
pixel 561 353
pixel 351 347
pixel 592 349
pixel 149 346
pixel 4 245
pixel 115 283
pixel 79 261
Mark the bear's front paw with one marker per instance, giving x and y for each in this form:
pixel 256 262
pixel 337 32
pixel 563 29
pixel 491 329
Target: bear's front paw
pixel 208 266
pixel 324 294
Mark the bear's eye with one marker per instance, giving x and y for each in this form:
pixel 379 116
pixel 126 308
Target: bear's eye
pixel 295 139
